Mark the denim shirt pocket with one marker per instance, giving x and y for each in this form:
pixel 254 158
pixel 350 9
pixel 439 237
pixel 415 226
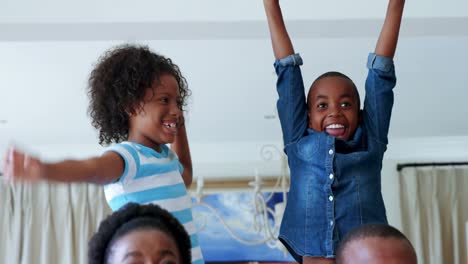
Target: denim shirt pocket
pixel 306 148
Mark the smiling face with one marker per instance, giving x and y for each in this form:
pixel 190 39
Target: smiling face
pixel 157 119
pixel 145 246
pixel 334 107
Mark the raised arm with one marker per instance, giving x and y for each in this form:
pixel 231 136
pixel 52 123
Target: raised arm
pixel 282 45
pixel 181 147
pixel 386 45
pixel 100 170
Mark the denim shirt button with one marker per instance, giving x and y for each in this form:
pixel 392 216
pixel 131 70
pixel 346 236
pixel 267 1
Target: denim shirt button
pixel 330 152
pixel 331 222
pixel 331 176
pixel 330 198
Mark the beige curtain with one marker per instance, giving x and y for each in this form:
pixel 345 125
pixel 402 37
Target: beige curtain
pixel 434 205
pixel 48 223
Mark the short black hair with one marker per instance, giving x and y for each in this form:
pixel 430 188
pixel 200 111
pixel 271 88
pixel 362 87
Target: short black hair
pixel 118 83
pixel 132 217
pixel 366 231
pixel 339 75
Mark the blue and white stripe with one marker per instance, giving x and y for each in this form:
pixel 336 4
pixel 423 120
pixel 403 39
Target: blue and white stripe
pixel 152 177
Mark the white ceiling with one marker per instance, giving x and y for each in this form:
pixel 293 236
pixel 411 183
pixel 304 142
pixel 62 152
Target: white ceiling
pixel 58 11
pixel 47 49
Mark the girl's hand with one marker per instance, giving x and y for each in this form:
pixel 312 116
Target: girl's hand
pixel 20 166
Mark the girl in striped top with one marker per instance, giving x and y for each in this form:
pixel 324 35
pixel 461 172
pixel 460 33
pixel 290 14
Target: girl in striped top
pixel 136 101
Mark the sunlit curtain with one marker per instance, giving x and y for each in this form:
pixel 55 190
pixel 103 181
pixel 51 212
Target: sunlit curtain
pixel 48 223
pixel 434 205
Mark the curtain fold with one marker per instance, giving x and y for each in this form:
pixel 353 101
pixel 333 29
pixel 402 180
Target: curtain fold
pixel 434 209
pixel 49 223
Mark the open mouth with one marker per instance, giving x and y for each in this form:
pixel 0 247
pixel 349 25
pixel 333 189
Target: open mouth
pixel 171 126
pixel 336 130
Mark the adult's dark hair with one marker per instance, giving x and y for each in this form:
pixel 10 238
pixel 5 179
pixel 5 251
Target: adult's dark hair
pixel 339 75
pixel 118 84
pixel 367 231
pixel 134 217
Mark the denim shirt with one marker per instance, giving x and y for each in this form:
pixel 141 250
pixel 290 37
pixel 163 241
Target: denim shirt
pixel 335 184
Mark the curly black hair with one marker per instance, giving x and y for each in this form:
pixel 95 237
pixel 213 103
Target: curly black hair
pixel 118 83
pixel 133 217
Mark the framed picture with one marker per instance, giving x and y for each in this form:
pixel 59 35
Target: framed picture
pixel 233 227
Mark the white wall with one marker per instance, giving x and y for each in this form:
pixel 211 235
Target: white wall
pixel 47 49
pixel 43 89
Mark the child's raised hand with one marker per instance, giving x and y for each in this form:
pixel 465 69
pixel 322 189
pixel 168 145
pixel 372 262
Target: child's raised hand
pixel 269 2
pixel 20 166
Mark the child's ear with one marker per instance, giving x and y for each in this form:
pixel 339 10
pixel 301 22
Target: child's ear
pixel 131 111
pixel 136 109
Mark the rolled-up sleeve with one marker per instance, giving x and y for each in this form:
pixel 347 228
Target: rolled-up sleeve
pixel 380 63
pixel 378 103
pixel 291 60
pixel 292 108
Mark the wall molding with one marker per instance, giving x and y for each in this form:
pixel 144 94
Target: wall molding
pixel 215 30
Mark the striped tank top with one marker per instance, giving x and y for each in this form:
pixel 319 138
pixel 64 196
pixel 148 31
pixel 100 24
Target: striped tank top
pixel 152 177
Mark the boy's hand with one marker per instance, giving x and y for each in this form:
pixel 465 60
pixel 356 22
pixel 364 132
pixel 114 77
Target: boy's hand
pixel 19 166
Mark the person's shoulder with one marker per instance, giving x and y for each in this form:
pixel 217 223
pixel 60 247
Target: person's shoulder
pixel 170 153
pixel 128 150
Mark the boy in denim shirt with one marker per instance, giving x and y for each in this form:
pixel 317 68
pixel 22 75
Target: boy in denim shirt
pixel 335 150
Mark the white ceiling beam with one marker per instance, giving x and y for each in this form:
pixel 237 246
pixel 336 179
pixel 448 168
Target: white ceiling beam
pixel 224 30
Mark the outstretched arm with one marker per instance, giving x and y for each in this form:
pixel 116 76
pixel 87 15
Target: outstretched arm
pixel 101 170
pixel 181 147
pixel 386 45
pixel 282 46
